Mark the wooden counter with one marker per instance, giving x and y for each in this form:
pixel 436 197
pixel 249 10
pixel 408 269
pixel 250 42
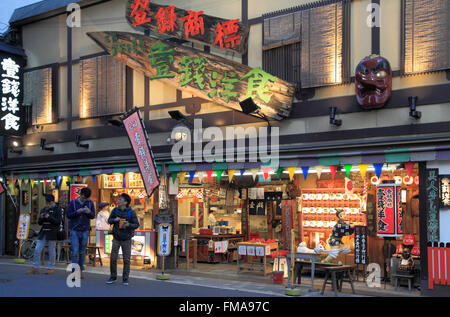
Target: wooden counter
pixel 205 253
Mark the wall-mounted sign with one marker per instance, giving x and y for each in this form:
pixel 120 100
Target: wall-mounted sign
pixel 142 150
pixel 75 190
pixel 389 211
pixel 444 191
pixel 207 76
pixel 12 112
pixel 194 26
pixel 26 197
pixel 135 180
pixel 112 181
pixel 432 188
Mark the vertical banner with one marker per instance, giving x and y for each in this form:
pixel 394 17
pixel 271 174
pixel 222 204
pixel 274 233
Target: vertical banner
pixel 360 245
pixel 389 213
pixel 432 188
pixel 164 239
pixel 23 227
pixel 142 150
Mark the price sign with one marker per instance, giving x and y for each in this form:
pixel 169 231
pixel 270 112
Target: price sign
pixel 164 239
pixel 23 227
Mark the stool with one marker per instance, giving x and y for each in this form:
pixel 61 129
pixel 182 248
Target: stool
pixel 337 275
pixel 96 250
pixel 397 277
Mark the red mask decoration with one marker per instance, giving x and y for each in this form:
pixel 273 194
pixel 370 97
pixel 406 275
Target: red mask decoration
pixel 373 82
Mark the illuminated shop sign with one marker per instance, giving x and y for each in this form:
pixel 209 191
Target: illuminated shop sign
pixel 12 114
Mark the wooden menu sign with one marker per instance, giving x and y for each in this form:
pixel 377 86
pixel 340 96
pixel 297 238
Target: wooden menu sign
pixel 204 75
pixel 194 26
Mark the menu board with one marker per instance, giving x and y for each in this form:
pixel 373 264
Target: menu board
pixel 432 188
pixel 444 191
pixel 112 181
pixel 360 245
pixel 135 180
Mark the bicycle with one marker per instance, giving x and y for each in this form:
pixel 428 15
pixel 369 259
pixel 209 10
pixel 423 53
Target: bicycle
pixel 28 245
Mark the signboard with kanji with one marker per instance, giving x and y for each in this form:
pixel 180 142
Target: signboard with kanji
pixel 204 75
pixel 194 26
pixel 142 150
pixel 389 211
pixel 12 112
pixel 360 245
pixel 432 188
pixel 444 191
pixel 75 190
pixel 23 227
pixel 164 239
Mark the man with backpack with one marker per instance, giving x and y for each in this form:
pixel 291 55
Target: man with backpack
pixel 50 219
pixel 124 221
pixel 80 212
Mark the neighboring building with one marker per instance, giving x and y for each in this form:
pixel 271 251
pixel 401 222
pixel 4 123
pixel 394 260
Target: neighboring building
pixel 74 88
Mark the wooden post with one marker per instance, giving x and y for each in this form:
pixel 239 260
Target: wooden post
pixel 188 244
pixel 194 260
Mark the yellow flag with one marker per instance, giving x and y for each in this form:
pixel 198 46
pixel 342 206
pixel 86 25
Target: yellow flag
pixel 230 175
pixel 182 175
pixel 291 172
pixel 363 169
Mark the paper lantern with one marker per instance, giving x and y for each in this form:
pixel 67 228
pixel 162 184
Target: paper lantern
pixel 199 194
pixel 374 180
pixel 180 194
pixel 389 212
pixel 408 180
pixel 399 249
pixel 415 250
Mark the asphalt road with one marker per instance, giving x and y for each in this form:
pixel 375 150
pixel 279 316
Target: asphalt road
pixel 15 283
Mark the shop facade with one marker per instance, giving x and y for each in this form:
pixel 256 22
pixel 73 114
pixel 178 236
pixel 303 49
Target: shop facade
pixel 75 90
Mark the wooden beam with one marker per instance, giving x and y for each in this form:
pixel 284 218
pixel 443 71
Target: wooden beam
pixel 274 99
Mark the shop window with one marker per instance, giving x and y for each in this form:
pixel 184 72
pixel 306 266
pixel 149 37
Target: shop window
pixel 102 87
pixel 308 45
pixel 38 92
pixel 425 36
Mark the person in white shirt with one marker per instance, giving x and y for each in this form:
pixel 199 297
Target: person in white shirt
pixel 212 218
pixel 102 217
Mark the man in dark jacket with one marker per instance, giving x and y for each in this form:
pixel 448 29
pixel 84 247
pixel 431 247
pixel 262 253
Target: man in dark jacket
pixel 49 219
pixel 80 212
pixel 124 221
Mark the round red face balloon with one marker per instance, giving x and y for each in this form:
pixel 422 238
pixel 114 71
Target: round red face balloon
pixel 373 82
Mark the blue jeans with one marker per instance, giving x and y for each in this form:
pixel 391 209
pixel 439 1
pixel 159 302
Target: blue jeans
pixel 51 253
pixel 79 241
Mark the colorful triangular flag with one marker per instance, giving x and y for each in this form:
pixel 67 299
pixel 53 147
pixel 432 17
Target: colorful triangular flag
pixel 291 171
pixel 266 171
pixel 363 169
pixel 319 171
pixel 378 168
pixel 219 175
pixel 182 175
pixel 94 178
pixel 230 175
pixel 305 170
pixel 174 177
pixel 348 168
pixel 200 175
pixel 333 169
pixel 242 173
pixel 254 171
pixel 279 171
pixel 409 166
pixel 191 176
pixel 209 174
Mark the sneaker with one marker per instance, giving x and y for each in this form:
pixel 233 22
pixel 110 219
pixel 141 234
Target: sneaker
pixel 111 280
pixel 125 283
pixel 33 271
pixel 50 271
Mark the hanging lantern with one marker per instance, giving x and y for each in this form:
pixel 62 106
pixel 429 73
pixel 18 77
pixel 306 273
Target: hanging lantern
pixel 180 194
pixel 409 239
pixel 416 180
pixel 389 211
pixel 408 180
pixel 398 180
pixel 415 250
pixel 199 194
pixel 141 194
pixel 374 180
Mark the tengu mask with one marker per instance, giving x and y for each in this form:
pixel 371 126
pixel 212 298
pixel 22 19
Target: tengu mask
pixel 373 82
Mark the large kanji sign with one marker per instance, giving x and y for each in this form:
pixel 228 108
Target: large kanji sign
pixel 12 112
pixel 389 211
pixel 195 26
pixel 204 75
pixel 141 147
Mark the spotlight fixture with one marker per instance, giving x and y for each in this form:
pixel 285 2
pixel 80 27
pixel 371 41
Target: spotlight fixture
pixel 78 140
pixel 412 108
pixel 178 116
pixel 46 148
pixel 115 122
pixel 249 107
pixel 333 120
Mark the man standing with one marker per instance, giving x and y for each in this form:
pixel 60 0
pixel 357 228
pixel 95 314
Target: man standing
pixel 80 212
pixel 124 221
pixel 50 219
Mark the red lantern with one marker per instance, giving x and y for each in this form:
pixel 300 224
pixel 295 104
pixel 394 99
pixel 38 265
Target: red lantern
pixel 399 249
pixel 415 250
pixel 409 239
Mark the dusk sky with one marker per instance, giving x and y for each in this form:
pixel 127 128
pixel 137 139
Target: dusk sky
pixel 7 8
